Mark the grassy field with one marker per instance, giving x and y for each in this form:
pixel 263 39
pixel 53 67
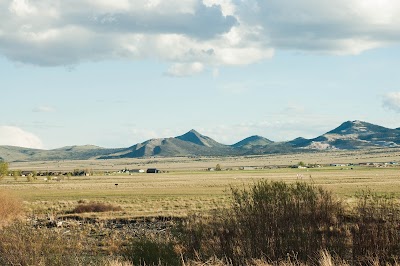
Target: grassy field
pixel 179 192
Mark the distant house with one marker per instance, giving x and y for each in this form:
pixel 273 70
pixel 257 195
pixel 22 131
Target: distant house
pixel 247 168
pixel 137 171
pixel 153 171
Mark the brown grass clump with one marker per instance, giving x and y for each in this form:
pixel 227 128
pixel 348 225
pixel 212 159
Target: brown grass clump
pixel 95 207
pixel 324 259
pixel 20 244
pixel 117 262
pixel 10 207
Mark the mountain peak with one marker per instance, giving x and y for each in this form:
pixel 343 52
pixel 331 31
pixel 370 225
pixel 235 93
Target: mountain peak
pixel 195 137
pixel 193 131
pixel 356 127
pixel 254 140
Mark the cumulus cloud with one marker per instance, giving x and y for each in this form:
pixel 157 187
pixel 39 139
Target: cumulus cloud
pixel 14 136
pixel 207 32
pixel 339 27
pixel 391 101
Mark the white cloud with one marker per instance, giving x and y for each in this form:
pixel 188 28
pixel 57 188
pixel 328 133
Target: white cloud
pixel 391 101
pixel 21 8
pixel 339 27
pixel 183 70
pixel 43 109
pixel 208 32
pixel 14 136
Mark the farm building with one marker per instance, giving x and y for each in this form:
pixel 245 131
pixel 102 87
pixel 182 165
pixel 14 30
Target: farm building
pixel 153 171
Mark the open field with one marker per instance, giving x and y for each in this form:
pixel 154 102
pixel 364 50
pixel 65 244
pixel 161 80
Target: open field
pixel 201 163
pixel 186 187
pixel 154 206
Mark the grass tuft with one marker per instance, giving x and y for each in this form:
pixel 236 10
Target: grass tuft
pixel 95 207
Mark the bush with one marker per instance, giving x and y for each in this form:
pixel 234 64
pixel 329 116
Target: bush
pixel 3 169
pixel 11 207
pixel 271 220
pixel 376 233
pixel 145 251
pixel 95 207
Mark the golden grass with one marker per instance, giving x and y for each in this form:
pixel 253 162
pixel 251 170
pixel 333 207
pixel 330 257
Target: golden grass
pixel 187 187
pixel 11 207
pixel 178 193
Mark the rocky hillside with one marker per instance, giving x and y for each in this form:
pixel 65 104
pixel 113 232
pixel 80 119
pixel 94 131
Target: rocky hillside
pixel 352 135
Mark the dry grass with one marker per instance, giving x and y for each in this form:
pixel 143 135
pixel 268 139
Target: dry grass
pixel 20 244
pixel 188 188
pixel 11 207
pixel 325 259
pixel 180 193
pixel 95 207
pixel 117 262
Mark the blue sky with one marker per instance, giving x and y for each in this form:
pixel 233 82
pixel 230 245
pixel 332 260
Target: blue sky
pixel 115 73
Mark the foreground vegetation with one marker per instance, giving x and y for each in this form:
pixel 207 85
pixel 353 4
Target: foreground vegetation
pixel 268 222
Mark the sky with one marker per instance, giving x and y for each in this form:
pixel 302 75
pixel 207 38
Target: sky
pixel 116 73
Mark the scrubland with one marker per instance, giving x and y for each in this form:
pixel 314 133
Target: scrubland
pixel 270 215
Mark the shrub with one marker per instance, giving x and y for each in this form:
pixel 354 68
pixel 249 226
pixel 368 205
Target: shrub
pixel 95 207
pixel 272 220
pixel 376 232
pixel 11 207
pixel 3 169
pixel 145 251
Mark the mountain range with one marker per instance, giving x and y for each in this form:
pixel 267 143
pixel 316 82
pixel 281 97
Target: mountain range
pixel 350 135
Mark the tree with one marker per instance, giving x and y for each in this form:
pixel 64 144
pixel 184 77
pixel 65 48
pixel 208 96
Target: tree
pixel 218 167
pixel 301 163
pixel 3 169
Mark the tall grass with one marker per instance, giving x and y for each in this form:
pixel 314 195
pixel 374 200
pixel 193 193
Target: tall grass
pixel 376 233
pixel 151 251
pixel 22 245
pixel 272 220
pixel 11 207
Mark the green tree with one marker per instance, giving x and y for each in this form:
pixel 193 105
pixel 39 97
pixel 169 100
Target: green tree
pixel 16 174
pixel 3 169
pixel 218 167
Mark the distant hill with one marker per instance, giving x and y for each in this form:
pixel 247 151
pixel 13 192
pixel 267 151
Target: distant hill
pixel 350 135
pixel 190 144
pixel 252 142
pixel 196 138
pixel 12 153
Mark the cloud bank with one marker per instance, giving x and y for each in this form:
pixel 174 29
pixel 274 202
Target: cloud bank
pixel 183 33
pixel 14 136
